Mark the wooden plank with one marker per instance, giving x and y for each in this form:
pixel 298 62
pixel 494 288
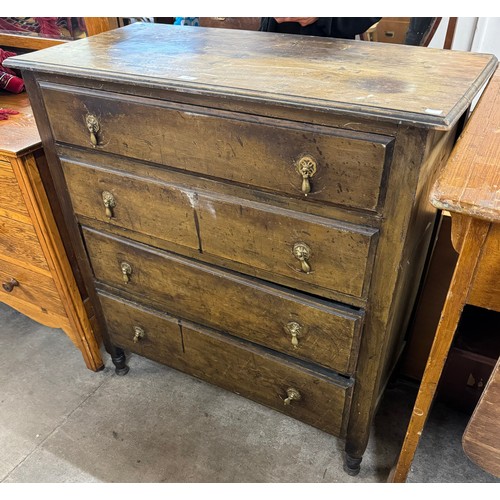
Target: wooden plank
pixel 485 290
pixel 19 133
pixel 470 182
pixel 450 316
pixel 434 89
pixel 96 25
pixel 10 194
pixel 481 439
pixel 28 42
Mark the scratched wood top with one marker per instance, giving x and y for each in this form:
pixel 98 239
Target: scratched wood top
pixel 19 133
pixel 429 87
pixel 470 182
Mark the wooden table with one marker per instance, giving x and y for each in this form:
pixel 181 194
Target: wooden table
pixel 469 188
pixel 35 272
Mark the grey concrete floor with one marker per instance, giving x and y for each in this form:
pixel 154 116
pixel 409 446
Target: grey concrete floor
pixel 62 423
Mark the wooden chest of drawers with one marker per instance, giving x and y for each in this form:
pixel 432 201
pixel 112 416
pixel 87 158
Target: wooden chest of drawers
pixel 251 208
pixel 35 273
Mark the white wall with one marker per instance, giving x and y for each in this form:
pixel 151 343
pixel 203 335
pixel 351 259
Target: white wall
pixel 476 34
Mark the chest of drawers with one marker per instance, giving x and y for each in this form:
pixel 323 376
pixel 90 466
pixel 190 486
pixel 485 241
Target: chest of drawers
pixel 251 208
pixel 35 272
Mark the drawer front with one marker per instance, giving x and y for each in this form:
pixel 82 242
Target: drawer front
pixel 132 327
pixel 337 255
pixel 19 241
pixel 235 365
pixel 312 162
pixel 11 198
pixel 34 288
pixel 149 208
pixel 312 330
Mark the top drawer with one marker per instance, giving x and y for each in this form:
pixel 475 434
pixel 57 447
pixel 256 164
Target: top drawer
pixel 325 164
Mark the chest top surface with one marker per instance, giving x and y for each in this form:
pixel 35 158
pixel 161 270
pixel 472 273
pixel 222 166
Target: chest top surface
pixel 423 86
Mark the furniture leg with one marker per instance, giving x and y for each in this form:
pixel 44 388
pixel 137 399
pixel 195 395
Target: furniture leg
pixel 119 360
pixel 352 465
pixel 450 316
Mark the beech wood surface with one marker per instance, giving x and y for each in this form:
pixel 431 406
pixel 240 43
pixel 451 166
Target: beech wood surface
pixel 468 188
pixel 481 439
pixel 31 249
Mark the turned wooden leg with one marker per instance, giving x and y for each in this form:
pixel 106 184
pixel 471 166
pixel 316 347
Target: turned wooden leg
pixel 352 465
pixel 120 361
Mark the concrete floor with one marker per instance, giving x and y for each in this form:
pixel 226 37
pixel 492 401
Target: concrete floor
pixel 61 423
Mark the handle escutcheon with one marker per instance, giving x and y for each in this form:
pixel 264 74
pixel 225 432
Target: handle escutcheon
pixel 8 286
pixel 109 203
pixel 292 395
pixel 306 166
pixel 93 127
pixel 294 329
pixel 126 271
pixel 139 334
pixel 302 253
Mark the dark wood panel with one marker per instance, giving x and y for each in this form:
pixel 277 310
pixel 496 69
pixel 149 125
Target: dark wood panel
pixel 247 308
pixel 253 234
pixel 347 167
pixel 232 364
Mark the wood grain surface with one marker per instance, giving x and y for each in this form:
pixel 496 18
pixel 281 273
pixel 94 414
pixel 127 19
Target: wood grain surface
pixel 233 364
pixel 240 148
pixel 250 233
pixel 470 183
pixel 481 439
pixel 230 303
pixel 19 133
pixel 421 85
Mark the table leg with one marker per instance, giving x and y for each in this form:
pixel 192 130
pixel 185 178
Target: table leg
pixel 456 298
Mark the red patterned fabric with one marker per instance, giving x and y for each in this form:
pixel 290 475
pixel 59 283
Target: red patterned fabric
pixel 11 83
pixel 4 113
pixel 70 28
pixel 8 78
pixel 3 55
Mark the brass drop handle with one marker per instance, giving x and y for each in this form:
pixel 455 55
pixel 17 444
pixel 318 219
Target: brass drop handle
pixel 109 203
pixel 8 286
pixel 93 127
pixel 126 271
pixel 138 334
pixel 306 166
pixel 302 252
pixel 294 329
pixel 293 395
